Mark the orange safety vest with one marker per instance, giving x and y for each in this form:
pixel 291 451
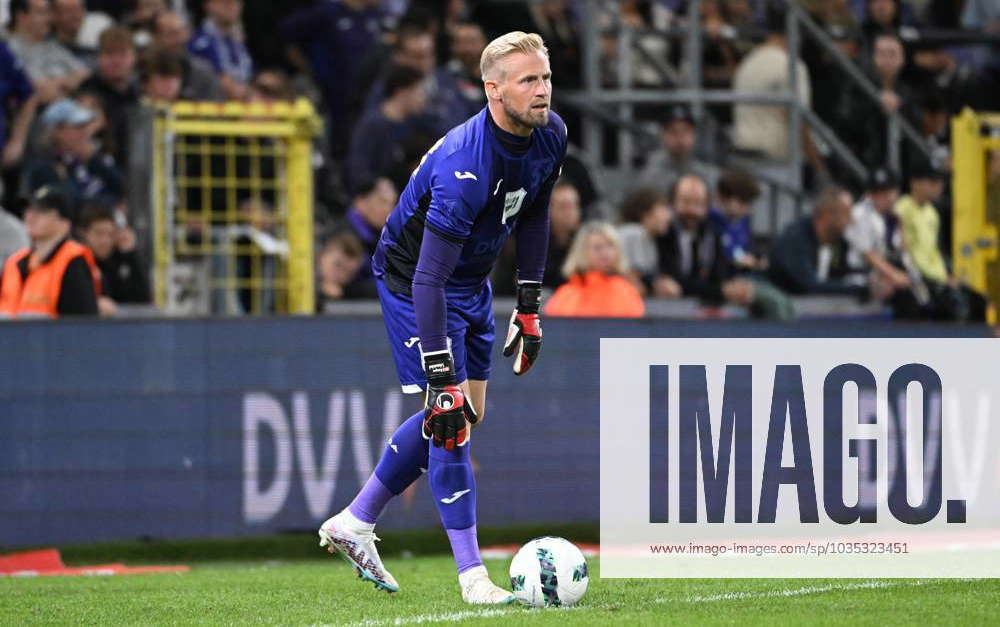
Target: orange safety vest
pixel 37 294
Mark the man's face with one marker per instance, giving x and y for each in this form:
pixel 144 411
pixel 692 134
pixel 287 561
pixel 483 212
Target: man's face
pixel 146 10
pixel 71 137
pixel 927 189
pixel 524 87
pixel 414 99
pixel 888 56
pixel 833 222
pixel 738 10
pixel 884 199
pixel 376 206
pixel 733 207
pixel 417 52
pixel 337 267
pixel 42 224
pixel 882 11
pixel 467 44
pixel 116 65
pixel 678 139
pixel 691 201
pixel 68 16
pixel 172 32
pixel 37 21
pixel 100 238
pixel 657 220
pixel 226 13
pixel 564 209
pixel 165 88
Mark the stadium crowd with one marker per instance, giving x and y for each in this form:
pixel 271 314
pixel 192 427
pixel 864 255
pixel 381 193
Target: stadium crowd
pixel 392 76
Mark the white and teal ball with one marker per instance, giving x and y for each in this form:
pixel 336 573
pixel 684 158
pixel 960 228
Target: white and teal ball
pixel 549 571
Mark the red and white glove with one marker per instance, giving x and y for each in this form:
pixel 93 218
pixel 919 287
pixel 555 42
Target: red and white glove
pixel 524 335
pixel 446 409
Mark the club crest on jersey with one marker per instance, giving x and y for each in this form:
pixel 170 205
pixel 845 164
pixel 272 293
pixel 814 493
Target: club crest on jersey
pixel 512 204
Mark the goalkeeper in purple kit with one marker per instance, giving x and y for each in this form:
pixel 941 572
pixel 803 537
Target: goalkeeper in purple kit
pixel 485 180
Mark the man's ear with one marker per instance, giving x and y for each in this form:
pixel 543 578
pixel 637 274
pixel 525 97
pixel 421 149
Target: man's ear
pixel 493 90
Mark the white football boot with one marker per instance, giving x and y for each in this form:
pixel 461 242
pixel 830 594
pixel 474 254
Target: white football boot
pixel 479 590
pixel 355 541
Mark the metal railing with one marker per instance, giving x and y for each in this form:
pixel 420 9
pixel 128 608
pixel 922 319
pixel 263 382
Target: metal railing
pixel 602 105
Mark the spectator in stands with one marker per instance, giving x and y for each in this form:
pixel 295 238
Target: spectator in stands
pixel 736 192
pixel 646 216
pixel 832 89
pixel 220 42
pixel 762 130
pixel 981 15
pixel 116 82
pixel 467 45
pixel 881 17
pixel 373 202
pixel 78 29
pixel 691 252
pixel 339 262
pixel 596 287
pixel 171 33
pixel 162 76
pixel 101 136
pixel 676 156
pixel 123 275
pixel 446 108
pixel 55 276
pixel 139 19
pixel 720 52
pixel 21 100
pixel 72 159
pixel 888 59
pixel 831 12
pixel 378 144
pixel 875 239
pixel 810 255
pixel 54 70
pixel 933 126
pixel 331 40
pixel 938 70
pixel 920 222
pixel 13 235
pixel 565 217
pixel 554 21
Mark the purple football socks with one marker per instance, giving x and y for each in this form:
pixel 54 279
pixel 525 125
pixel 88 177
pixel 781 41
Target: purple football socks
pixel 407 456
pixel 465 547
pixel 370 501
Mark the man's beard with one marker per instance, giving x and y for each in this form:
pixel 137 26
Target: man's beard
pixel 531 119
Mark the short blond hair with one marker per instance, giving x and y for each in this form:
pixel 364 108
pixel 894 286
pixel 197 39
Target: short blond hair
pixel 504 45
pixel 576 258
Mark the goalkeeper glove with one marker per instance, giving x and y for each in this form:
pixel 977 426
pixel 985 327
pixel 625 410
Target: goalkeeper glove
pixel 524 335
pixel 446 409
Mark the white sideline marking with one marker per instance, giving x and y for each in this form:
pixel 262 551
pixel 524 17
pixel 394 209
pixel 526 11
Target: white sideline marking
pixel 797 592
pixel 454 617
pixel 451 617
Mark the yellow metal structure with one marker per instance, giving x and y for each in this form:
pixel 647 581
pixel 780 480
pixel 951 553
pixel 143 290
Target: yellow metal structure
pixel 233 205
pixel 975 139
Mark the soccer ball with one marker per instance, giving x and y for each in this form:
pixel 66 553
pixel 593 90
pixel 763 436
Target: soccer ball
pixel 549 571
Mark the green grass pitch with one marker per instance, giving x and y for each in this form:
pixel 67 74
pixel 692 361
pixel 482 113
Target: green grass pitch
pixel 302 591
